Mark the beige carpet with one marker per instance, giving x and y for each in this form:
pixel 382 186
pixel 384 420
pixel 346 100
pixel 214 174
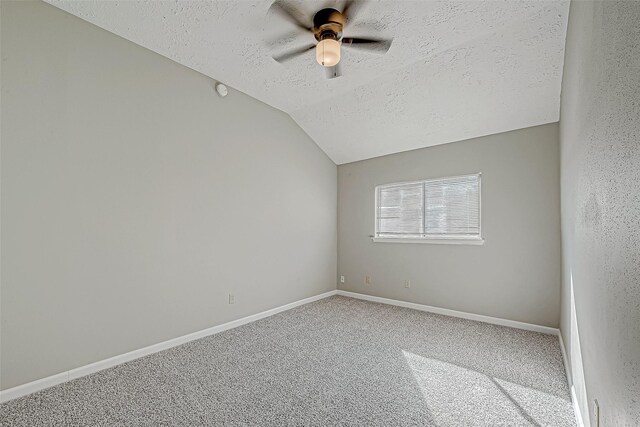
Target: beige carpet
pixel 338 361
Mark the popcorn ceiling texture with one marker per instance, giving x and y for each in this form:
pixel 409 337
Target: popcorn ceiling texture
pixel 456 70
pixel 600 150
pixel 338 361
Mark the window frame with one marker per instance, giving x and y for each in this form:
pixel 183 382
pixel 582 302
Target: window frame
pixel 452 239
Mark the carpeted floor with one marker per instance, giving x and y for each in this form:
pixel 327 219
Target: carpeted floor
pixel 338 361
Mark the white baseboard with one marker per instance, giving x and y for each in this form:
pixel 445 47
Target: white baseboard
pixel 576 409
pixel 41 384
pixel 565 359
pixel 454 313
pixel 574 399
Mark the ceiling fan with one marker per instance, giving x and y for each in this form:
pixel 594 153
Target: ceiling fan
pixel 327 28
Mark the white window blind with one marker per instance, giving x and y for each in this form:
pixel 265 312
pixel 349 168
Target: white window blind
pixel 444 208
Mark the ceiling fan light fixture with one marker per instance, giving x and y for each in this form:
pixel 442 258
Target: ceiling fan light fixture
pixel 328 30
pixel 328 52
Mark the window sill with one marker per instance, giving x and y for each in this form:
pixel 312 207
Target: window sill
pixel 478 241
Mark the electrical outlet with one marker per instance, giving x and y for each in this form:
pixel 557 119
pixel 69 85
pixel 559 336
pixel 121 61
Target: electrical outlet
pixel 367 280
pixel 407 284
pixel 596 412
pixel 341 279
pixel 232 299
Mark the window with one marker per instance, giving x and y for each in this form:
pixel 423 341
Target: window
pixel 443 210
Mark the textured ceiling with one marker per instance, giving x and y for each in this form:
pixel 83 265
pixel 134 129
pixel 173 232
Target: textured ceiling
pixel 455 70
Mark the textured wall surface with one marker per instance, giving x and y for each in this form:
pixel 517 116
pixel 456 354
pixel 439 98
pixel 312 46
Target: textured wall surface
pixel 134 199
pixel 600 152
pixel 456 69
pixel 514 275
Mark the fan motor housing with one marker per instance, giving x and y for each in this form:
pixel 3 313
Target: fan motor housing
pixel 328 23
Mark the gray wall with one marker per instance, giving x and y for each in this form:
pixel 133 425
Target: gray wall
pixel 134 199
pixel 600 152
pixel 514 275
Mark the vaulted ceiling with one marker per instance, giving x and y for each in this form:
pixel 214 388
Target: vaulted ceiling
pixel 456 69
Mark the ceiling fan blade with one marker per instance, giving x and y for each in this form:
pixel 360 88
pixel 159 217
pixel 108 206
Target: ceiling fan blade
pixel 292 54
pixel 350 8
pixel 290 14
pixel 379 45
pixel 335 71
pixel 284 39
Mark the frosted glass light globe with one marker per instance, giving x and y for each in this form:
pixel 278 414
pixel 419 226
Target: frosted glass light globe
pixel 328 52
